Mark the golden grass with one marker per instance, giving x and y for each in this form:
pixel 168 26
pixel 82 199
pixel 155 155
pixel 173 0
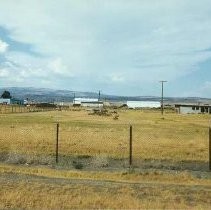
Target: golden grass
pixel 153 176
pixel 46 196
pixel 176 137
pixel 53 189
pixel 38 195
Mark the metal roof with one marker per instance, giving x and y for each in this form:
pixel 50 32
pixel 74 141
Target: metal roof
pixel 191 105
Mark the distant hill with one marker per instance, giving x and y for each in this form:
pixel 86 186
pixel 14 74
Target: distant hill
pixel 51 95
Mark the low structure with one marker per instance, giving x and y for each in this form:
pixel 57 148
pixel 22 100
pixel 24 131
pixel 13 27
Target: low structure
pixel 87 102
pixel 63 103
pixel 92 104
pixel 193 108
pixel 143 104
pixel 9 101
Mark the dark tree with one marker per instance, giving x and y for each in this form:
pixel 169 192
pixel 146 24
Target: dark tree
pixel 6 94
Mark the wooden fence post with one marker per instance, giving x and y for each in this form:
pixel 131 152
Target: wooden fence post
pixel 57 142
pixel 131 147
pixel 210 148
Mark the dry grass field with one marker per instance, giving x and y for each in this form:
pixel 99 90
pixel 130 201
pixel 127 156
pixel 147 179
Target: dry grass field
pixel 170 161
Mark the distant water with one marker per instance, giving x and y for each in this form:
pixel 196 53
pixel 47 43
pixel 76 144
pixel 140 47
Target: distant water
pixel 143 104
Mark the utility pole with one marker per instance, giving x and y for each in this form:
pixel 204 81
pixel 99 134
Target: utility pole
pixel 74 98
pixel 162 107
pixel 99 96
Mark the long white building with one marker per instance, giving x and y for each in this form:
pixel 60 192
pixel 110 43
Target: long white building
pixel 143 104
pixel 87 102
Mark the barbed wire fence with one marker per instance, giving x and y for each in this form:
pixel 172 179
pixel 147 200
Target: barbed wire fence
pixel 11 109
pixel 157 146
pixel 85 145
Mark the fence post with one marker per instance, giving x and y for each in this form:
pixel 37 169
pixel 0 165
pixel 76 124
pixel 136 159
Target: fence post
pixel 131 147
pixel 210 148
pixel 57 142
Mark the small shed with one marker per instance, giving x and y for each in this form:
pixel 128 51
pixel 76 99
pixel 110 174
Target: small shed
pixel 193 108
pixel 10 101
pixel 5 101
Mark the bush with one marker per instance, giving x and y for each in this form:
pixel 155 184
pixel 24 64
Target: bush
pixel 46 105
pixel 77 165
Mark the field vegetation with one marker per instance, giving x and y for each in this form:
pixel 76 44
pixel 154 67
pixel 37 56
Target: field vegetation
pixel 175 137
pixel 170 160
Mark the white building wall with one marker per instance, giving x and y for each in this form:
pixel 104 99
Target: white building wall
pixel 91 104
pixel 5 101
pixel 189 110
pixel 85 100
pixel 143 104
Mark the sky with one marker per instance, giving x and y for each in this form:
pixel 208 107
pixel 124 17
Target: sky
pixel 120 47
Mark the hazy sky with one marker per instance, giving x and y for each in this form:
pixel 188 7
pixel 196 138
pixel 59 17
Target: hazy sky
pixel 121 47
